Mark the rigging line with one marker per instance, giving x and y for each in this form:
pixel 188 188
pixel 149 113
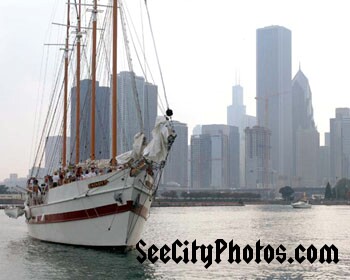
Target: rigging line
pixel 155 49
pixel 132 40
pixel 46 120
pixel 42 155
pixel 132 73
pixel 48 34
pixel 76 8
pixel 161 106
pixel 59 132
pixel 42 98
pixel 143 42
pixel 143 69
pixel 52 117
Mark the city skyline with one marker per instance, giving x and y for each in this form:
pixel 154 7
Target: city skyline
pixel 318 45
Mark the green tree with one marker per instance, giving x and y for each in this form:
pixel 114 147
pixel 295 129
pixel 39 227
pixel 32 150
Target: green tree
pixel 286 192
pixel 3 189
pixel 328 192
pixel 341 189
pixel 170 194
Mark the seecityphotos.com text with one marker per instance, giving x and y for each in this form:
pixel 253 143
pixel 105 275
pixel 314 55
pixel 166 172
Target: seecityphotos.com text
pixel 230 252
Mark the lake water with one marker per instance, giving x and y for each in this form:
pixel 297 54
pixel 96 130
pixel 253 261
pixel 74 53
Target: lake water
pixel 24 258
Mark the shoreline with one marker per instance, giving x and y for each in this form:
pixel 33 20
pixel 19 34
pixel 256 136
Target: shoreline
pixel 189 203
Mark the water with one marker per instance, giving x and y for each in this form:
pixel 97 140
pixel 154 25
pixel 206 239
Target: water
pixel 24 258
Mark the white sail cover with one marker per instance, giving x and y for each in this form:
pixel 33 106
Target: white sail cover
pixel 157 149
pixel 136 152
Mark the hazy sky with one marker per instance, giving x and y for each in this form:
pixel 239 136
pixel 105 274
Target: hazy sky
pixel 202 46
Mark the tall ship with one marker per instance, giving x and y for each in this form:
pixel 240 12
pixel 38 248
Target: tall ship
pixel 94 201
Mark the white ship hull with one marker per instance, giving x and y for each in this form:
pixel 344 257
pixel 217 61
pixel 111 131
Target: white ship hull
pixel 111 215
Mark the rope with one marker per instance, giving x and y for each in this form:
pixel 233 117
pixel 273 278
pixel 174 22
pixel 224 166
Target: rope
pixel 133 81
pixel 156 53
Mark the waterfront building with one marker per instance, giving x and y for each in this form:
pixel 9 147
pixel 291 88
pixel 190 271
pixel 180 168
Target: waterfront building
pixel 200 161
pixel 324 167
pixel 340 144
pixel 14 181
pixel 53 152
pixel 176 168
pixel 129 115
pixel 273 89
pixel 224 155
pixel 197 130
pixel 102 119
pixel 307 156
pixel 258 171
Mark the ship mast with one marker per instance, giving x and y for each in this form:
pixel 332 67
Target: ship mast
pixel 64 149
pixel 93 86
pixel 114 81
pixel 77 131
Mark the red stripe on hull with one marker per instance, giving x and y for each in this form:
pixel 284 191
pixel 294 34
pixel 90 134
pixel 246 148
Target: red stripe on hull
pixel 91 213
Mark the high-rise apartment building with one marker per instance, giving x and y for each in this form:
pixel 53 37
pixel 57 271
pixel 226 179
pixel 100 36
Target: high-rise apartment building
pixel 102 121
pixel 53 153
pixel 130 113
pixel 273 88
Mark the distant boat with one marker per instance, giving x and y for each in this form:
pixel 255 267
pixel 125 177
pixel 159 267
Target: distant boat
pixel 14 211
pixel 303 203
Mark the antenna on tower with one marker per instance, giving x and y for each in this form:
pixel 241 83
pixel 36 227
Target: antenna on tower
pixel 237 78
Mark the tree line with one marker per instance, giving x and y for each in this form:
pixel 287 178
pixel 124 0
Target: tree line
pixel 341 191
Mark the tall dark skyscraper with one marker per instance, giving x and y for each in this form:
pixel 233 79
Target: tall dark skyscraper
pixel 128 116
pixel 102 119
pixel 236 116
pixel 200 161
pixel 273 87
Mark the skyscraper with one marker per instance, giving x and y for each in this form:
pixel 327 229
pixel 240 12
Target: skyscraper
pixel 340 144
pixel 236 116
pixel 176 167
pixel 304 133
pixel 307 155
pixel 200 161
pixel 273 87
pixel 224 155
pixel 258 172
pixel 53 152
pixel 102 120
pixel 128 112
pixel 236 112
